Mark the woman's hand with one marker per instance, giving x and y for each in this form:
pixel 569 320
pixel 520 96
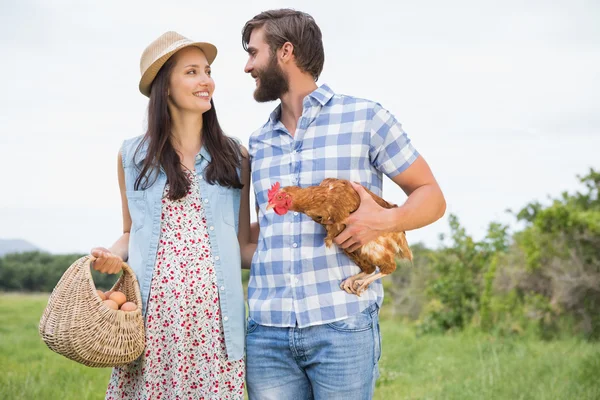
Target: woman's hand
pixel 106 262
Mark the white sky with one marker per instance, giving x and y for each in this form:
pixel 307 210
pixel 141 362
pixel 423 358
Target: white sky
pixel 502 98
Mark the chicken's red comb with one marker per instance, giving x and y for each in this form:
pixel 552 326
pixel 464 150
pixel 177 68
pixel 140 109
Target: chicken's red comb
pixel 273 191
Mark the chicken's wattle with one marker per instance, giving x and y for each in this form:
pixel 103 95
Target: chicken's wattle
pixel 280 210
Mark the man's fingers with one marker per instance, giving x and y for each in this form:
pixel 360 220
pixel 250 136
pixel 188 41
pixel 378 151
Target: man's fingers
pixel 348 243
pixel 342 237
pixel 355 247
pixel 349 220
pixel 359 189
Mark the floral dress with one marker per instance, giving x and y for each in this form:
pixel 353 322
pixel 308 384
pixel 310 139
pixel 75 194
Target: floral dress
pixel 185 356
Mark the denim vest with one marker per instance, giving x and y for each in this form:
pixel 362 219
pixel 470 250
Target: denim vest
pixel 221 205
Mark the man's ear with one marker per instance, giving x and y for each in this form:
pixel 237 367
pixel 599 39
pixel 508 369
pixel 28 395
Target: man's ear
pixel 286 52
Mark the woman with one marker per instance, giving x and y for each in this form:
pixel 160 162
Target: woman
pixel 184 191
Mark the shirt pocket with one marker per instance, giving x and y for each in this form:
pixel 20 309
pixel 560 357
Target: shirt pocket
pixel 136 202
pixel 226 205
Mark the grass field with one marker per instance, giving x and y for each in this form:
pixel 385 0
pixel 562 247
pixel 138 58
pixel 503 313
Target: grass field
pixel 458 366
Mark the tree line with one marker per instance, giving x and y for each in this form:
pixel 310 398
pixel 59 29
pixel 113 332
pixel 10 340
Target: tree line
pixel 543 279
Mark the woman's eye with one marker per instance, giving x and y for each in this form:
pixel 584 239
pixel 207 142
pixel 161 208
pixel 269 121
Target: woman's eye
pixel 191 72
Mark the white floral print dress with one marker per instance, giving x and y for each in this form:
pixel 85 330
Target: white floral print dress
pixel 185 356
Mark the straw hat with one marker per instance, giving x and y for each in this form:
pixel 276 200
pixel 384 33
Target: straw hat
pixel 159 51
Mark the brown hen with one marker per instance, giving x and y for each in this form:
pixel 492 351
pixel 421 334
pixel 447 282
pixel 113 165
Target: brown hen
pixel 329 204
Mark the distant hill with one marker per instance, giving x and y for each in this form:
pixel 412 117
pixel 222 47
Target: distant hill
pixel 16 246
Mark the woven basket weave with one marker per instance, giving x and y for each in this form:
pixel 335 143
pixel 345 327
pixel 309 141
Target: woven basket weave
pixel 78 325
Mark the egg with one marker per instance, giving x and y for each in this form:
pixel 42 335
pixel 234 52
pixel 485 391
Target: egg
pixel 111 304
pixel 101 294
pixel 107 294
pixel 129 306
pixel 118 298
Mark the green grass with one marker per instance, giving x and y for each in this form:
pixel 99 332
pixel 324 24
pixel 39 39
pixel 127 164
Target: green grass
pixel 458 366
pixel 463 366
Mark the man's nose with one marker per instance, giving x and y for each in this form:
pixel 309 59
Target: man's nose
pixel 248 68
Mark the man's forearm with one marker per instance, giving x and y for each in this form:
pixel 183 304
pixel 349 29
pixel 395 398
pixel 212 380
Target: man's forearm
pixel 424 206
pixel 248 247
pixel 247 252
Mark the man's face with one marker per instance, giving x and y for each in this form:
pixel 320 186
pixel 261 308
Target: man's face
pixel 262 65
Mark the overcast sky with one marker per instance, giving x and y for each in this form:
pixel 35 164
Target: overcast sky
pixel 501 98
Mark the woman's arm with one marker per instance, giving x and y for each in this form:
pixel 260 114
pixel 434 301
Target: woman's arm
pixel 110 260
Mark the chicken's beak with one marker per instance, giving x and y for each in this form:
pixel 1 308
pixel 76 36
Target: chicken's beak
pixel 270 206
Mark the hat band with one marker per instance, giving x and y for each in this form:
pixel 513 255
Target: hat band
pixel 177 44
pixel 170 48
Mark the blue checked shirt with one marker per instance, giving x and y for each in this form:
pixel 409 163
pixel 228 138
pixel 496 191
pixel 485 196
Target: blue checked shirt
pixel 295 279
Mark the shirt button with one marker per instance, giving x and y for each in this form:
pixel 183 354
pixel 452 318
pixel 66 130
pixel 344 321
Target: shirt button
pixel 296 280
pixel 212 228
pixel 226 319
pixel 296 213
pixel 222 288
pixel 295 245
pixel 206 200
pixel 200 177
pixel 217 258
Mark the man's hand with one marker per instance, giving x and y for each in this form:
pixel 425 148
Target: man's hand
pixel 364 224
pixel 106 261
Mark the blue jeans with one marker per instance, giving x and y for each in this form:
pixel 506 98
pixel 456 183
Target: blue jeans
pixel 331 361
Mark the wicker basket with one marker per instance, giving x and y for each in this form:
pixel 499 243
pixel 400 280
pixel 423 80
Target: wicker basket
pixel 78 325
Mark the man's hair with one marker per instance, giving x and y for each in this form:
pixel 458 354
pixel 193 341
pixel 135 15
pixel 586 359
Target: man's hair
pixel 296 27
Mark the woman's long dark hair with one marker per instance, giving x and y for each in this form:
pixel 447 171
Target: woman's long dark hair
pixel 224 152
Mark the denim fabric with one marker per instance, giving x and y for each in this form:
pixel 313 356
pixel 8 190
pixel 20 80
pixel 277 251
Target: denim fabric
pixel 338 360
pixel 221 205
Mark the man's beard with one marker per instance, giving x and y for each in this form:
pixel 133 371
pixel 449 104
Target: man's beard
pixel 272 82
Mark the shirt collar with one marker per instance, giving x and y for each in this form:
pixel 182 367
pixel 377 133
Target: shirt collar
pixel 144 150
pixel 204 154
pixel 320 95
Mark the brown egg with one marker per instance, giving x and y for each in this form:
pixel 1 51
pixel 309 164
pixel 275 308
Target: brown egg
pixel 108 293
pixel 111 304
pixel 101 294
pixel 129 306
pixel 118 298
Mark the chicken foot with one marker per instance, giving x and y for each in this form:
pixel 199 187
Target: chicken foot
pixel 360 285
pixel 348 284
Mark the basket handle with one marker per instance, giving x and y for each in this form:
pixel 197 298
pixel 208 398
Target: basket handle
pixel 127 270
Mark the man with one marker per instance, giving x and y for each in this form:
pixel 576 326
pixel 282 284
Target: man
pixel 307 338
